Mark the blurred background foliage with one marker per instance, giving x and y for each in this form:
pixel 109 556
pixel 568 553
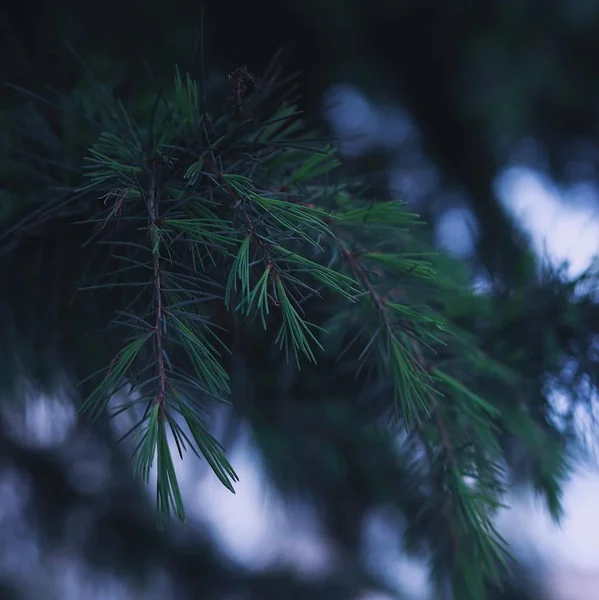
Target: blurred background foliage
pixel 467 91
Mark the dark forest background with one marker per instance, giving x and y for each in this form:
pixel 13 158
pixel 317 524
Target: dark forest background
pixel 472 89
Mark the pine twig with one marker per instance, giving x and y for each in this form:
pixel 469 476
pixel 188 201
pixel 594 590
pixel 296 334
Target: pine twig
pixel 152 203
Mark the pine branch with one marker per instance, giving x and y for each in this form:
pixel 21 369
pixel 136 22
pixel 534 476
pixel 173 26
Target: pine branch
pixel 415 407
pixel 198 222
pixel 489 542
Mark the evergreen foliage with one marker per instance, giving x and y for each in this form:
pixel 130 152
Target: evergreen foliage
pixel 221 255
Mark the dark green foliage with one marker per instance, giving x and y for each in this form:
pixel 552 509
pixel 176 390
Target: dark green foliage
pixel 210 251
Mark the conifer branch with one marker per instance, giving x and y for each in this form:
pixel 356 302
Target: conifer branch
pixel 492 548
pixel 394 344
pixel 242 223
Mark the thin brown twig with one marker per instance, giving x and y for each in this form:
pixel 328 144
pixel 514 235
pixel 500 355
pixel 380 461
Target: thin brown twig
pixel 152 202
pixel 381 307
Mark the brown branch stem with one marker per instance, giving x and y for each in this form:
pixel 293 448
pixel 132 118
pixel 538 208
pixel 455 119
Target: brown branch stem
pixel 361 273
pixel 152 203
